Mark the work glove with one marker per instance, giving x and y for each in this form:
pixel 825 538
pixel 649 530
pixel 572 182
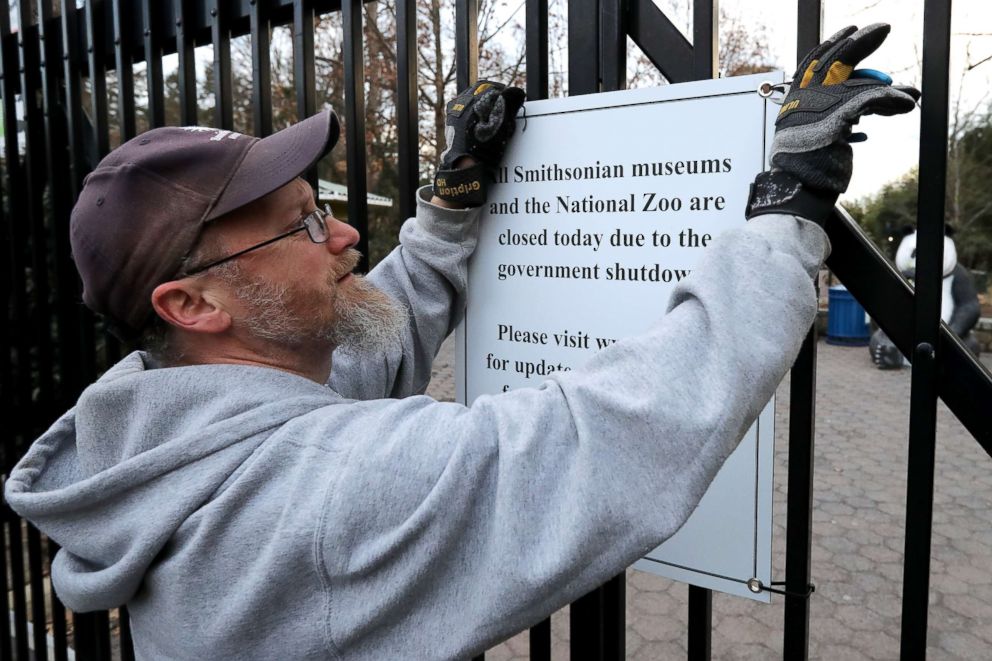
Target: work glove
pixel 478 123
pixel 811 153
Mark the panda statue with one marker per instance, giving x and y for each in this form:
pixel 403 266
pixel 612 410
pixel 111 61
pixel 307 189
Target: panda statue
pixel 959 307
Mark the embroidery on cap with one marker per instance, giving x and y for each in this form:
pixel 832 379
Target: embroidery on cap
pixel 220 134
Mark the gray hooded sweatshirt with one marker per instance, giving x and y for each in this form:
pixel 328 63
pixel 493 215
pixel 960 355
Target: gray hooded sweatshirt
pixel 249 513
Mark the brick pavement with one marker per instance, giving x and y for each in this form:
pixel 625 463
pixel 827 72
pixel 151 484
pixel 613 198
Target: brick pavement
pixel 859 496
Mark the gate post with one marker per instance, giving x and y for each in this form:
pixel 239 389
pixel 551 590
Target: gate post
pixel 802 403
pixel 926 360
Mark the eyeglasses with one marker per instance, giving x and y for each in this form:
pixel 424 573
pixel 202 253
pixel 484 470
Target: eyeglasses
pixel 313 223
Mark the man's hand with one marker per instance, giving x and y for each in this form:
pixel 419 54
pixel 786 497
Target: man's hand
pixel 478 124
pixel 460 164
pixel 811 153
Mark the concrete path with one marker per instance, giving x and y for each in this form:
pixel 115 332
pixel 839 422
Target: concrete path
pixel 859 494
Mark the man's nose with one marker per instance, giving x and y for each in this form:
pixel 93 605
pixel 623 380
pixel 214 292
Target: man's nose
pixel 341 235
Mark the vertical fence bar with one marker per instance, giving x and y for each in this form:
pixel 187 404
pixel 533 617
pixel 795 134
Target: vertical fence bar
pixel 705 39
pixel 17 313
pixel 91 635
pixel 585 622
pixel 6 381
pixel 304 68
pixel 802 398
pixel 123 58
pixel 7 450
pixel 597 622
pixel 926 360
pixel 153 62
pixel 83 367
pixel 700 627
pixel 58 176
pixel 95 22
pixel 91 631
pixel 588 614
pixel 34 170
pixel 613 44
pixel 537 49
pixel 35 167
pixel 304 71
pixel 466 42
pixel 127 643
pixel 615 617
pixel 185 45
pixel 261 69
pixel 540 641
pixel 95 37
pixel 5 633
pixel 59 630
pixel 705 58
pixel 98 76
pixel 354 104
pixel 17 582
pixel 6 637
pixel 799 521
pixel 536 26
pixel 467 60
pixel 73 94
pixel 14 639
pixel 39 630
pixel 102 628
pixel 406 105
pixel 583 47
pixel 223 88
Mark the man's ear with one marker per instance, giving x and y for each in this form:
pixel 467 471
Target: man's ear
pixel 185 305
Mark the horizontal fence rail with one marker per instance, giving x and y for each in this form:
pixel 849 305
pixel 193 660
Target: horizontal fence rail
pixel 60 66
pixel 964 383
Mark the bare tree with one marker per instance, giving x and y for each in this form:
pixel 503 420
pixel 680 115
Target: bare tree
pixel 501 58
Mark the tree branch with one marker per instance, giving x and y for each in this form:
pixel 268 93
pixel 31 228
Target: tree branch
pixel 979 62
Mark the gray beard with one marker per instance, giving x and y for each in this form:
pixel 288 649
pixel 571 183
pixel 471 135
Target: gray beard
pixel 365 319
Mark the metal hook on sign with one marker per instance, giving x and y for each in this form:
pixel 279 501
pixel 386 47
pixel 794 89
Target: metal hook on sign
pixel 768 89
pixel 756 586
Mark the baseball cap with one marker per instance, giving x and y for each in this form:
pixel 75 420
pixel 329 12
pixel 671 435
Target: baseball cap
pixel 142 209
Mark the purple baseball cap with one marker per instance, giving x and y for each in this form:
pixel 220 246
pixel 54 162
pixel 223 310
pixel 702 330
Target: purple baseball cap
pixel 142 209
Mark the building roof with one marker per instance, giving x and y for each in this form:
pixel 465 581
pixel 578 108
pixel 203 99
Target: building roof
pixel 331 192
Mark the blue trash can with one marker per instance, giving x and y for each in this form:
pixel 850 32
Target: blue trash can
pixel 846 324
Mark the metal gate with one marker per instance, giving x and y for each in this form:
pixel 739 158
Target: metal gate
pixel 52 347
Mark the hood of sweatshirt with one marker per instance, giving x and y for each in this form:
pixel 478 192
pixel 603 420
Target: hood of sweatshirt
pixel 141 451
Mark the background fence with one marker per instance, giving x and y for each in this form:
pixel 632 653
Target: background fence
pixel 68 87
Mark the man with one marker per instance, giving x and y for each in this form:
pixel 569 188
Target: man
pixel 244 509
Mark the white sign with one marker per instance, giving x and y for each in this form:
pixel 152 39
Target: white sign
pixel 604 202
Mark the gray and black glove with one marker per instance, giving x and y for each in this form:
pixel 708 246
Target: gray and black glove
pixel 811 152
pixel 478 123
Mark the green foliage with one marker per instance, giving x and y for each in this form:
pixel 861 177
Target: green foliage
pixel 884 215
pixel 968 208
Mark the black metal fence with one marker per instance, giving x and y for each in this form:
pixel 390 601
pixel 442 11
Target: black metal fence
pixel 56 57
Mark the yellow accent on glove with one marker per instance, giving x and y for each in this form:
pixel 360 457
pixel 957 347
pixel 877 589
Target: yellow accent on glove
pixel 808 75
pixel 838 73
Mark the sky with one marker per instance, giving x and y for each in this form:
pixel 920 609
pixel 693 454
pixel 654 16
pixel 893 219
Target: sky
pixel 892 148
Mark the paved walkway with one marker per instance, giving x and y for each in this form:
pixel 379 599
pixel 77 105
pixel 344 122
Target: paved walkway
pixel 859 494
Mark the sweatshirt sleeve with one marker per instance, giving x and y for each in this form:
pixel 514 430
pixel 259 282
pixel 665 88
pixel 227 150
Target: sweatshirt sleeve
pixel 427 274
pixel 453 527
